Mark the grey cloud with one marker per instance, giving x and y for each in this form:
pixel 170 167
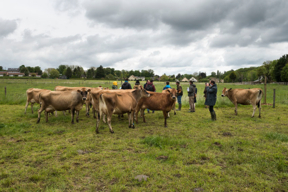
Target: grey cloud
pixel 7 27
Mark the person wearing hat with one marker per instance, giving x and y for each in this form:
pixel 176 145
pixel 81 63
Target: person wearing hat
pixel 126 85
pixel 211 99
pixel 114 86
pixel 191 95
pixel 137 85
pixel 179 95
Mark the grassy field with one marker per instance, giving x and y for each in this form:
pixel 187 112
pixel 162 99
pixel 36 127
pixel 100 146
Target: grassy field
pixel 235 153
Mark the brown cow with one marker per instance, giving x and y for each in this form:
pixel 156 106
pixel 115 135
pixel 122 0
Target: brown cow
pixel 87 101
pixel 33 97
pixel 61 101
pixel 117 102
pixel 245 97
pixel 157 101
pixel 168 90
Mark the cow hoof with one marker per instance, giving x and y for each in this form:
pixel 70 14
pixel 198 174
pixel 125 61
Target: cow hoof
pixel 252 116
pixel 77 121
pixel 111 131
pixel 133 126
pixel 259 116
pixel 165 126
pixel 97 132
pixel 174 113
pixel 130 126
pixel 38 121
pixel 72 122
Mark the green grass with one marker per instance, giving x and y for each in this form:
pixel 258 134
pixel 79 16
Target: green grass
pixel 235 153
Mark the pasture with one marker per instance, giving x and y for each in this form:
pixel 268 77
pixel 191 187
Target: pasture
pixel 235 153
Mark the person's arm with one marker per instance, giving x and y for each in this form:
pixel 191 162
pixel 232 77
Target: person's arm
pixel 190 90
pixel 129 87
pixel 211 89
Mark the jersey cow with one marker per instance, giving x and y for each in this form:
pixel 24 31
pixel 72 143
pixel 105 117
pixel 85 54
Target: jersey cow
pixel 173 107
pixel 33 97
pixel 157 101
pixel 245 97
pixel 61 101
pixel 116 102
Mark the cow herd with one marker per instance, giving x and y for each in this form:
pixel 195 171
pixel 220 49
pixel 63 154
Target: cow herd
pixel 104 103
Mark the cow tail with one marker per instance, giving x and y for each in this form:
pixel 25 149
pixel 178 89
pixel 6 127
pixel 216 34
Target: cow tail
pixel 101 105
pixel 40 100
pixel 259 97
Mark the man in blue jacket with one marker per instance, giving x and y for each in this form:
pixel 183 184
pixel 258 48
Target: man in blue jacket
pixel 211 99
pixel 167 86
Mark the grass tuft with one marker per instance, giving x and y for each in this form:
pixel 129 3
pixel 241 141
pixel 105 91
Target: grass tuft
pixel 161 142
pixel 277 136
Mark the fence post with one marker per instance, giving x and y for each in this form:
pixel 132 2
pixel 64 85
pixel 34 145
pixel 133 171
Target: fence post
pixel 5 91
pixel 274 97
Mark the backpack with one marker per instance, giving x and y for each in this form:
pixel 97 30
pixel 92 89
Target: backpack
pixel 149 87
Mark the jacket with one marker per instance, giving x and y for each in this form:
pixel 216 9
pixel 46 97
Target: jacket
pixel 205 91
pixel 211 95
pixel 191 92
pixel 126 85
pixel 114 87
pixel 179 90
pixel 166 87
pixel 153 87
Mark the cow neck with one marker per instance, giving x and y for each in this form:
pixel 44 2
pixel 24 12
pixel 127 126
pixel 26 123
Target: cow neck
pixel 137 95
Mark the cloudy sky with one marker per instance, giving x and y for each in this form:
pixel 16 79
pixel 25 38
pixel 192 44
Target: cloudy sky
pixel 168 36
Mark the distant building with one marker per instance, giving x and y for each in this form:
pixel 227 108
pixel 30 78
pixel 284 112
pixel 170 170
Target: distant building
pixel 63 77
pixel 15 74
pixel 184 79
pixel 133 78
pixel 193 79
pixel 13 70
pixel 4 73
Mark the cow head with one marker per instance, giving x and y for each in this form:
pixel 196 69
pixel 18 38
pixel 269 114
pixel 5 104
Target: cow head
pixel 173 93
pixel 83 93
pixel 225 92
pixel 143 92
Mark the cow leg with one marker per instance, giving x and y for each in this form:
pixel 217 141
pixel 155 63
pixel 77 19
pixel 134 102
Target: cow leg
pixel 39 113
pixel 87 110
pixel 236 113
pixel 77 116
pixel 32 107
pixel 168 114
pixel 129 119
pixel 72 116
pixel 64 113
pixel 104 118
pixel 142 111
pixel 27 103
pixel 55 113
pixel 94 113
pixel 46 115
pixel 97 122
pixel 165 118
pixel 254 109
pixel 109 116
pixel 259 106
pixel 132 119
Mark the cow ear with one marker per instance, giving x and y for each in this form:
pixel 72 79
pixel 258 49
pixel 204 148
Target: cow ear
pixel 134 90
pixel 230 89
pixel 88 90
pixel 168 90
pixel 79 91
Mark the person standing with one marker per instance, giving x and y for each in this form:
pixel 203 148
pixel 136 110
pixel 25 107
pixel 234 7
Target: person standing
pixel 167 86
pixel 191 95
pixel 205 92
pixel 150 87
pixel 114 86
pixel 126 85
pixel 146 84
pixel 211 99
pixel 195 100
pixel 179 95
pixel 137 85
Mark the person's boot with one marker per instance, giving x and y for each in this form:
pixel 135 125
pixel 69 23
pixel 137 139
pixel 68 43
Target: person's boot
pixel 214 116
pixel 179 108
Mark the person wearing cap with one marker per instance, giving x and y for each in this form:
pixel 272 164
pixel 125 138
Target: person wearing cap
pixel 179 95
pixel 126 85
pixel 114 86
pixel 191 95
pixel 137 85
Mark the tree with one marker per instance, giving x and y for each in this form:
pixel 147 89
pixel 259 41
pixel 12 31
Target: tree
pixel 232 76
pixel 284 73
pixel 54 73
pixel 45 75
pixel 164 77
pixel 30 69
pixel 100 72
pixel 90 73
pixel 279 66
pixel 22 68
pixel 110 76
pixel 26 71
pixel 38 70
pixel 1 68
pixel 213 74
pixel 68 73
pixel 178 76
pixel 61 69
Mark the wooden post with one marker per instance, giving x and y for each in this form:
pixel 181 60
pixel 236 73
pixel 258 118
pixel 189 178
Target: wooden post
pixel 274 95
pixel 5 91
pixel 265 90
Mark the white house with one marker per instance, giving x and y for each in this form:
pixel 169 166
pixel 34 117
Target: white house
pixel 193 79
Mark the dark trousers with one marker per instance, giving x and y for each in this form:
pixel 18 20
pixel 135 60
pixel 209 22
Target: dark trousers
pixel 211 109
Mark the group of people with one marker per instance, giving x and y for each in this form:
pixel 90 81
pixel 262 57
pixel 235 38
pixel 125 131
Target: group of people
pixel 210 93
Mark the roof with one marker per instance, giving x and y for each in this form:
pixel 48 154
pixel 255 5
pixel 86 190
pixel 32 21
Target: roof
pixel 193 79
pixel 184 79
pixel 15 73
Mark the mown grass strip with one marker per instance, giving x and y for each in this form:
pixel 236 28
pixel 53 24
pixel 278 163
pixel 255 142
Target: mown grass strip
pixel 277 136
